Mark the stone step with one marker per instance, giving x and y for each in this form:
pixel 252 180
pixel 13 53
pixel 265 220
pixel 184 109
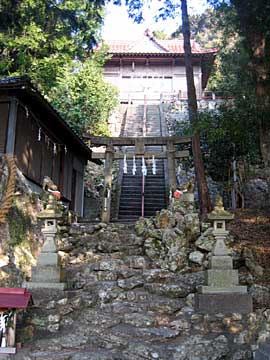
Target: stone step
pixel 153 206
pixel 83 353
pixel 130 201
pixel 158 182
pixel 129 208
pixel 150 202
pixel 129 212
pixel 138 174
pixel 137 206
pixel 171 290
pixel 159 169
pixel 149 192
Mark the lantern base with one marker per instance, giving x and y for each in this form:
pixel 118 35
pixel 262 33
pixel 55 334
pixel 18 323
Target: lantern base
pixel 223 303
pixel 45 285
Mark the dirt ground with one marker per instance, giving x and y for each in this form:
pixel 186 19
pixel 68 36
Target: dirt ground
pixel 251 228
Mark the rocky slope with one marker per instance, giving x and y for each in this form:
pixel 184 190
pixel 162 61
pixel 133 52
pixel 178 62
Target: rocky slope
pixel 124 305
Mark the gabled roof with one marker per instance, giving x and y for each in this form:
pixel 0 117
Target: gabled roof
pixel 11 298
pixel 148 44
pixel 22 87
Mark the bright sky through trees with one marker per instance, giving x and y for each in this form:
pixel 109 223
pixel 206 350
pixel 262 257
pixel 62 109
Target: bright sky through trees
pixel 117 24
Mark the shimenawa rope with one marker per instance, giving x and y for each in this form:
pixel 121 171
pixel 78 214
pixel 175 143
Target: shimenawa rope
pixel 10 190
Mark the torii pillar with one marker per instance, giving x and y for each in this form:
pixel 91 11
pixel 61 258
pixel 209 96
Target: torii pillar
pixel 171 165
pixel 107 194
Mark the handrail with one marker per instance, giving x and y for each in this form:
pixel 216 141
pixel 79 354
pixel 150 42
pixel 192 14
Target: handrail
pixel 144 134
pixel 144 116
pixel 143 186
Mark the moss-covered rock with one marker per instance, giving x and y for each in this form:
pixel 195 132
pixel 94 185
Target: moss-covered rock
pixel 21 239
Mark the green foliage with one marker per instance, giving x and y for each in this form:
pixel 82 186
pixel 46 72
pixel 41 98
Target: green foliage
pixel 201 28
pixel 50 40
pixel 39 37
pixel 19 226
pixel 167 8
pixel 227 134
pixel 230 133
pixel 159 34
pixel 83 98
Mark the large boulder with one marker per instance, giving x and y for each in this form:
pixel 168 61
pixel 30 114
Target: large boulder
pixel 168 235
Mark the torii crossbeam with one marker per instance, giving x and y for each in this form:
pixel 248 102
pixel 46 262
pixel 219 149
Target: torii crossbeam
pixel 139 143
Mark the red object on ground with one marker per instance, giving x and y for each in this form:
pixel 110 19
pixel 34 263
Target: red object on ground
pixel 18 298
pixel 177 194
pixel 57 194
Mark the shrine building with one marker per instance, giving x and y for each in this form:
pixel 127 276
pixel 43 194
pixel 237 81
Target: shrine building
pixel 155 68
pixel 41 141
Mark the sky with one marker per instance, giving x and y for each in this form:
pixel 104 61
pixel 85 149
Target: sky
pixel 118 26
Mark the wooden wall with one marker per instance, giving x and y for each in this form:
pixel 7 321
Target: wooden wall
pixel 4 113
pixel 36 159
pixel 158 77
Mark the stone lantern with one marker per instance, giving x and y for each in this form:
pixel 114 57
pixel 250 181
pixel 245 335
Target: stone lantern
pixel 222 292
pixel 219 216
pixel 48 272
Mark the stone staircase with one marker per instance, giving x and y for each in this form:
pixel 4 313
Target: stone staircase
pixel 130 205
pixel 133 124
pixel 119 306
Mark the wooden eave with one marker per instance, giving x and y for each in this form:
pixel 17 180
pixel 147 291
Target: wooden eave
pixel 160 55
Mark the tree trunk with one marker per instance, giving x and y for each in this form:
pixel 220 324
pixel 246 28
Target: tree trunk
pixel 254 18
pixel 204 198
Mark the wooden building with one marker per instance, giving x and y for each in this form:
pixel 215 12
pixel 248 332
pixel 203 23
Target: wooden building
pixel 155 68
pixel 41 141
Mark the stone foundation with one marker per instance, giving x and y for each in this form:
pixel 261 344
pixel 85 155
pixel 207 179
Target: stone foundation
pixel 223 303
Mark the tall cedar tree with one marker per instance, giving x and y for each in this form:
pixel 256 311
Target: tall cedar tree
pixel 204 198
pixel 254 23
pixel 254 20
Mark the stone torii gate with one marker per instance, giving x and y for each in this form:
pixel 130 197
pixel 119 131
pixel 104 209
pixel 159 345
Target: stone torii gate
pixel 171 154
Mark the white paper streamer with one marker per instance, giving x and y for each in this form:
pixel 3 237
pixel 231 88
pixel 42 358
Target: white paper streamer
pixel 39 134
pixel 125 164
pixel 171 198
pixel 144 168
pixel 154 166
pixel 3 329
pixel 134 166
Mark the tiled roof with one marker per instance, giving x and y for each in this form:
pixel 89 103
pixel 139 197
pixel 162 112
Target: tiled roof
pixel 150 45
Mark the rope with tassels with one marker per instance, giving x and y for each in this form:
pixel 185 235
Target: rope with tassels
pixel 10 190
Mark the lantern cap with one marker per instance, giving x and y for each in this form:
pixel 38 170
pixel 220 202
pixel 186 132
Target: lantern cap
pixel 51 211
pixel 219 213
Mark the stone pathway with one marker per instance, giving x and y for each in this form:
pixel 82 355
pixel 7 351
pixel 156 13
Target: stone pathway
pixel 263 353
pixel 120 306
